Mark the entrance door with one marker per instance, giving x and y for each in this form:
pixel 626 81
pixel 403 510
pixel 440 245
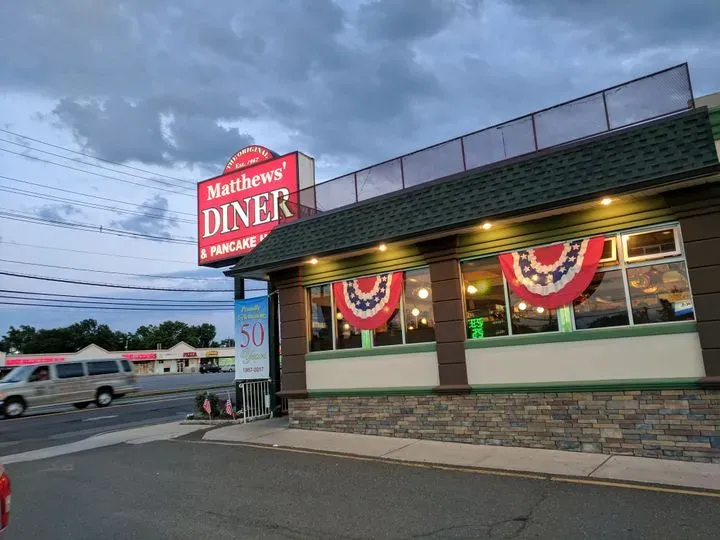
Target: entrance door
pixel 180 366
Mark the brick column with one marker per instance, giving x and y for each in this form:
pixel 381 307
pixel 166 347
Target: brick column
pixel 698 210
pixel 449 314
pixel 293 332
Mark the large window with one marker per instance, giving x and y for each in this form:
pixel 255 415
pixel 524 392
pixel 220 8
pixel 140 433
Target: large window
pixel 412 321
pixel 641 279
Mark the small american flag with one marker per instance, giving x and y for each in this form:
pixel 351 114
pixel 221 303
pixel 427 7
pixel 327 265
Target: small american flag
pixel 229 408
pixel 207 407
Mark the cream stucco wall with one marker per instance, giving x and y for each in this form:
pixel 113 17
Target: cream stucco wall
pixel 384 371
pixel 647 357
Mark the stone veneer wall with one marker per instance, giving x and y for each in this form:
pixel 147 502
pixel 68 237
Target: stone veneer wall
pixel 669 424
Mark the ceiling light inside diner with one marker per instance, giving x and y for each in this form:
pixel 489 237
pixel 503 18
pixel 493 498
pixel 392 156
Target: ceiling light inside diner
pixel 415 312
pixel 472 289
pixel 423 293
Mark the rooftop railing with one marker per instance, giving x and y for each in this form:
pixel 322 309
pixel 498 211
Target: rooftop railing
pixel 646 98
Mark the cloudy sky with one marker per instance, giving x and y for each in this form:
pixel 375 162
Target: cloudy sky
pixel 172 89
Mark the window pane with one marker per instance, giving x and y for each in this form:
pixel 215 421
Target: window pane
pixel 127 366
pixel 603 303
pixel 651 244
pixel 348 337
pixel 321 318
pixel 660 293
pixel 103 367
pixel 390 333
pixel 484 298
pixel 69 371
pixel 419 319
pixel 529 319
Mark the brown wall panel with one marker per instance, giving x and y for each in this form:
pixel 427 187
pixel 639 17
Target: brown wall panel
pixel 707 306
pixel 453 374
pixel 292 295
pixel 700 227
pixel 450 331
pixel 450 289
pixel 441 271
pixel 709 334
pixel 451 353
pixel 703 252
pixel 293 329
pixel 711 358
pixel 704 280
pixel 293 312
pixel 293 383
pixel 293 363
pixel 449 310
pixel 294 346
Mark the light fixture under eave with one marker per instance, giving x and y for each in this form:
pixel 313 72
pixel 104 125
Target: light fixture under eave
pixel 313 260
pixel 607 201
pixel 423 293
pixel 486 226
pixel 382 247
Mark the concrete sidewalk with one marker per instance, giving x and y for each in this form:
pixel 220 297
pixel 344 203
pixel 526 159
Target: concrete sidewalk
pixel 544 463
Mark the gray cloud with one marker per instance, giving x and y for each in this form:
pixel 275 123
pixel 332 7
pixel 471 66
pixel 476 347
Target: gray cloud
pixel 58 212
pixel 154 218
pixel 350 82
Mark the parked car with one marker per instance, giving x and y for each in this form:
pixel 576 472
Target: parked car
pixel 4 500
pixel 228 369
pixel 209 368
pixel 68 383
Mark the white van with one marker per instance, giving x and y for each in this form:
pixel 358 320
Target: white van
pixel 68 383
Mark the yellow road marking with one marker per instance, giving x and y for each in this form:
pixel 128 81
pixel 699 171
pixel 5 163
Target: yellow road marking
pixel 606 483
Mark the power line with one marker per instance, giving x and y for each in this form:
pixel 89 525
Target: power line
pixel 94 173
pixel 96 253
pixel 113 308
pixel 12 179
pixel 110 271
pixel 90 303
pixel 98 166
pixel 91 156
pixel 64 224
pixel 96 206
pixel 111 285
pixel 118 298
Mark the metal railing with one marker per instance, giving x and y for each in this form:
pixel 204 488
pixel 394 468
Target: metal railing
pixel 646 98
pixel 255 400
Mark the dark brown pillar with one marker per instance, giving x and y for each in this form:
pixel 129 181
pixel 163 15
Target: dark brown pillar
pixel 698 210
pixel 449 314
pixel 293 332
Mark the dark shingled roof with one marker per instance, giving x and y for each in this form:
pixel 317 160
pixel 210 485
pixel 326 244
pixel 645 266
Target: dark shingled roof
pixel 649 154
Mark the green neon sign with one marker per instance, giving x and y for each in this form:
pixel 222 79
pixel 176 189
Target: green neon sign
pixel 477 327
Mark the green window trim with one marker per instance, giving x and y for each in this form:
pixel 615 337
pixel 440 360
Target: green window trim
pixel 585 335
pixel 409 348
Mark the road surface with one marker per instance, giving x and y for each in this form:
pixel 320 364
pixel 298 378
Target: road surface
pixel 183 380
pixel 68 425
pixel 188 490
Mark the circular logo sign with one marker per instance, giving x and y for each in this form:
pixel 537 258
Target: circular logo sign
pixel 250 155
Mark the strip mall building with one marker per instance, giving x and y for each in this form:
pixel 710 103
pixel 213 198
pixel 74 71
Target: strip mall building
pixel 180 358
pixel 552 282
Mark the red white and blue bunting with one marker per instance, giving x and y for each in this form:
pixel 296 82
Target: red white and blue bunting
pixel 369 302
pixel 552 276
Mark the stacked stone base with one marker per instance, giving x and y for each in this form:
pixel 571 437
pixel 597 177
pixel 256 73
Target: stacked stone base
pixel 668 424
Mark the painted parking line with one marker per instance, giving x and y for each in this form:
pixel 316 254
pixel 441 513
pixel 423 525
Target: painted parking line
pixel 96 418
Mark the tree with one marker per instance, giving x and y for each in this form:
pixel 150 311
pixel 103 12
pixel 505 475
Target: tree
pixel 76 336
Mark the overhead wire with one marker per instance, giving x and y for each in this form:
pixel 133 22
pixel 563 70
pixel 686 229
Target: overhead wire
pixel 91 156
pixel 90 303
pixel 64 295
pixel 115 308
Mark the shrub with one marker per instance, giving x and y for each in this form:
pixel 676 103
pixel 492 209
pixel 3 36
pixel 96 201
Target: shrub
pixel 215 404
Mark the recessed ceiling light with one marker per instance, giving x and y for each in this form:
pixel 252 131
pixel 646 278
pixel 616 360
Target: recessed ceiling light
pixel 607 201
pixel 415 312
pixel 382 247
pixel 313 260
pixel 423 293
pixel 486 226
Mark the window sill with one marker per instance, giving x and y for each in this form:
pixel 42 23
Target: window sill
pixel 585 335
pixel 377 351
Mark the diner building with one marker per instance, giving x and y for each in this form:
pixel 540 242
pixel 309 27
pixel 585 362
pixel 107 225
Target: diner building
pixel 180 358
pixel 551 282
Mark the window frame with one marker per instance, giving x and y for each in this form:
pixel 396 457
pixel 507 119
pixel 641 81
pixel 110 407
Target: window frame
pixel 369 342
pixel 62 365
pixel 621 263
pixel 89 363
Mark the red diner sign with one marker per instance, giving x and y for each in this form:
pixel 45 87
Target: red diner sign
pixel 238 209
pixel 189 354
